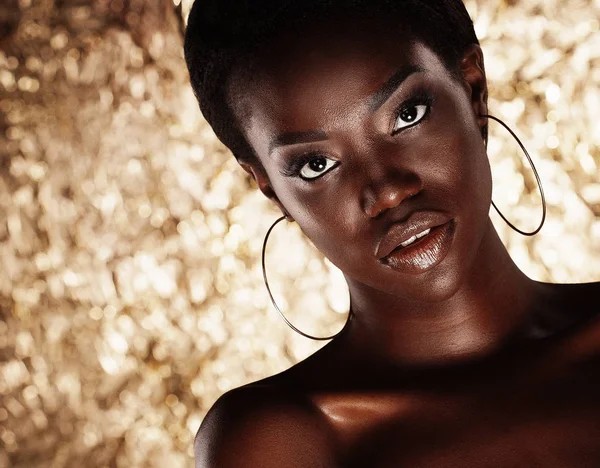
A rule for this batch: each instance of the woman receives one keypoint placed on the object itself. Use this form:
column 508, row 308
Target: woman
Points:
column 366, row 123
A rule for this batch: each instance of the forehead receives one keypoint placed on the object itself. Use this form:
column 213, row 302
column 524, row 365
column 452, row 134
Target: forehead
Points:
column 316, row 78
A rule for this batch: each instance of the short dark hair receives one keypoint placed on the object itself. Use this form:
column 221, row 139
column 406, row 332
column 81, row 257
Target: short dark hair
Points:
column 220, row 33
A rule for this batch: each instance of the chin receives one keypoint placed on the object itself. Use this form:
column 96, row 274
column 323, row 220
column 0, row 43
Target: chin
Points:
column 442, row 287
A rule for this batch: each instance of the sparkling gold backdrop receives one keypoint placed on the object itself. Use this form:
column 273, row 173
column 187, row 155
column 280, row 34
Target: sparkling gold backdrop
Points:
column 131, row 293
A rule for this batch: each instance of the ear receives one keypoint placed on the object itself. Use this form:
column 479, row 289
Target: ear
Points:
column 262, row 180
column 473, row 73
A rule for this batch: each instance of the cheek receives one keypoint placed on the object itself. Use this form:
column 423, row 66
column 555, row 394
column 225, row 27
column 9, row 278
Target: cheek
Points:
column 467, row 174
column 462, row 160
column 329, row 218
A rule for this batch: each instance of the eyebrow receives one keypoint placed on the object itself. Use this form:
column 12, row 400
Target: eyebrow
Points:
column 391, row 85
column 293, row 138
column 376, row 100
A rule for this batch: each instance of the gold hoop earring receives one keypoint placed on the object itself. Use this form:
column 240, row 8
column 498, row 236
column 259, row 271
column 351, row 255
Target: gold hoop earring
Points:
column 264, row 271
column 536, row 176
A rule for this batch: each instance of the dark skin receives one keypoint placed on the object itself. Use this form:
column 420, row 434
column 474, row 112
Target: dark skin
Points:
column 467, row 364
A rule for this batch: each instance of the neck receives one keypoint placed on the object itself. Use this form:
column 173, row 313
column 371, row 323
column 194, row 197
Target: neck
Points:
column 489, row 306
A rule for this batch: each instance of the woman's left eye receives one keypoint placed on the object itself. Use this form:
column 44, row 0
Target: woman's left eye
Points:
column 410, row 116
column 316, row 167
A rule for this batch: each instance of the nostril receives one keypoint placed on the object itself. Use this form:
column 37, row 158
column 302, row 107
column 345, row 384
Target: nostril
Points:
column 413, row 194
column 387, row 196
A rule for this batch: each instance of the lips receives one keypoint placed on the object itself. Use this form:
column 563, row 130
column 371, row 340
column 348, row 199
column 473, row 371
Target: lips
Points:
column 415, row 225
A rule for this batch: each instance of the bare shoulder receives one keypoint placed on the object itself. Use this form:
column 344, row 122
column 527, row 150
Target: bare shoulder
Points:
column 583, row 301
column 580, row 307
column 569, row 306
column 259, row 425
column 589, row 296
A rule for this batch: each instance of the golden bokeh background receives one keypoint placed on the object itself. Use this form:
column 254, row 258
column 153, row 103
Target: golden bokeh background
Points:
column 131, row 295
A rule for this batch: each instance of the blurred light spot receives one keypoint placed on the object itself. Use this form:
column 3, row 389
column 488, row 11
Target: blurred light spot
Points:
column 553, row 93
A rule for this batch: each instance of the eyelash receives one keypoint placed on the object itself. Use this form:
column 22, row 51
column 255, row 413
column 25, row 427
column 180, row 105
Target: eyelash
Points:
column 294, row 168
column 421, row 98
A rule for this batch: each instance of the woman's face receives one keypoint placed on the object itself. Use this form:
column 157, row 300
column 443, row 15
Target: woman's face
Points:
column 358, row 131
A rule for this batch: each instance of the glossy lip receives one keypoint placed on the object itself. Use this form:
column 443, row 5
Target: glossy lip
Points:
column 425, row 252
column 417, row 222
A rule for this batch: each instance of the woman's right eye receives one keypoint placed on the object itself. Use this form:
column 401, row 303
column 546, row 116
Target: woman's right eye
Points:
column 316, row 166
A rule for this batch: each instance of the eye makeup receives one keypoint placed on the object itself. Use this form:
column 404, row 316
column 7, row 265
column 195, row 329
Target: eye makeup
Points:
column 421, row 97
column 293, row 168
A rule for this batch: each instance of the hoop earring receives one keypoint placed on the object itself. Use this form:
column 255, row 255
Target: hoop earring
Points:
column 536, row 176
column 264, row 271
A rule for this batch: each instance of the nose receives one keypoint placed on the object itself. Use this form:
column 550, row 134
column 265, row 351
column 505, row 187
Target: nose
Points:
column 389, row 193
